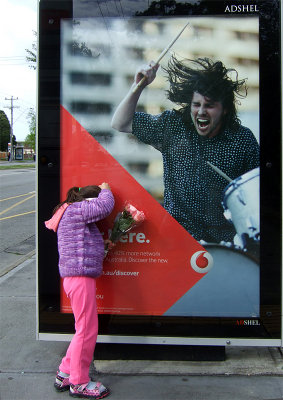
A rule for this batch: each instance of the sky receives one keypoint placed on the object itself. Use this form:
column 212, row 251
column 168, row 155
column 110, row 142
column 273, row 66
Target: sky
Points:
column 17, row 80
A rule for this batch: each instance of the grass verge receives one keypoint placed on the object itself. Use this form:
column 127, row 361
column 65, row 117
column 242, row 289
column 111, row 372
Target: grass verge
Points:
column 17, row 166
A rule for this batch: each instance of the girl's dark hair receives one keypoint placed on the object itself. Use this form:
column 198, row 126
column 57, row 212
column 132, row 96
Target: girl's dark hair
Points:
column 76, row 194
column 208, row 78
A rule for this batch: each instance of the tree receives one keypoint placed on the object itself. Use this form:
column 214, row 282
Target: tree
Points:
column 81, row 49
column 77, row 48
column 31, row 54
column 30, row 140
column 4, row 131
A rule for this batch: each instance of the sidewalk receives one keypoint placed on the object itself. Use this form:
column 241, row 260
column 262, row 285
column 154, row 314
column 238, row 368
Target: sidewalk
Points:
column 28, row 366
column 15, row 255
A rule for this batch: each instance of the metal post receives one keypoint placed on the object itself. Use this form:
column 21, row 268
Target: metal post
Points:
column 11, row 125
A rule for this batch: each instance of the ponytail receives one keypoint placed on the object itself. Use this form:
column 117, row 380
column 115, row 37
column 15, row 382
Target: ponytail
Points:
column 76, row 194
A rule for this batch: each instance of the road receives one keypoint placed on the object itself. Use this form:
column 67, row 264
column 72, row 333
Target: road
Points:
column 17, row 215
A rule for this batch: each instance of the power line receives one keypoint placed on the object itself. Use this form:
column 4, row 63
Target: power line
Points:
column 122, row 8
column 26, row 111
column 9, row 57
column 12, row 65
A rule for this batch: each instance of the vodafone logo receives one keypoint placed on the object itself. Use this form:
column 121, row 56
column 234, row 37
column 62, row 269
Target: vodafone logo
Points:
column 202, row 261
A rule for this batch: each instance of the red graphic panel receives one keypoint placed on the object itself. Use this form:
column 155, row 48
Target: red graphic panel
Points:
column 150, row 269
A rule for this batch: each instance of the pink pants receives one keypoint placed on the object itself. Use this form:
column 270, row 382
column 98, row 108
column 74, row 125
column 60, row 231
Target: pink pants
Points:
column 81, row 291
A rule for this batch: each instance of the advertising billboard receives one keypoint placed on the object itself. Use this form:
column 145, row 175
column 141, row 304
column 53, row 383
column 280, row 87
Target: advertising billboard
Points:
column 192, row 148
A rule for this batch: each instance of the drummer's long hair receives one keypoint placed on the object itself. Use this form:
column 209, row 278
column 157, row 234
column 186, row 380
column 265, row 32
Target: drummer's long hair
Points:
column 208, row 78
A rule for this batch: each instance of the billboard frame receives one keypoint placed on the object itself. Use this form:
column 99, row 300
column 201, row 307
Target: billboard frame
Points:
column 229, row 341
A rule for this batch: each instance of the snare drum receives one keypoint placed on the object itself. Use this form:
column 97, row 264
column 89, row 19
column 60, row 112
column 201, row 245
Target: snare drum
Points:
column 241, row 205
column 229, row 289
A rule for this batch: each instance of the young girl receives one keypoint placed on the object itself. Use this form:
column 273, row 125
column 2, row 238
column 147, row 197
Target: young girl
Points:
column 81, row 253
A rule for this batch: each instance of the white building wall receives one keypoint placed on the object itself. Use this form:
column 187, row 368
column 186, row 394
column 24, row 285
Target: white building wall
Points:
column 117, row 51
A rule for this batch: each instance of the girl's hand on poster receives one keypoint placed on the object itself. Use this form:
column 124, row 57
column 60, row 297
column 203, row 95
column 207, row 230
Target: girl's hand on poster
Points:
column 104, row 185
column 109, row 244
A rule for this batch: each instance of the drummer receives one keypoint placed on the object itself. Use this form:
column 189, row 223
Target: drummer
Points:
column 203, row 128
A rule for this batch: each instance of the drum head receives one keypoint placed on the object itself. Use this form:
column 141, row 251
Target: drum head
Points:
column 229, row 289
column 241, row 205
column 239, row 181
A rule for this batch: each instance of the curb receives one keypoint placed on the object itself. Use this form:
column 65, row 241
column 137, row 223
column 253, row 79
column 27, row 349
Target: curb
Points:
column 18, row 262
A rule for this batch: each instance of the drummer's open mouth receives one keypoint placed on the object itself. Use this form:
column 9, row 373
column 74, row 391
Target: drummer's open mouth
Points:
column 202, row 122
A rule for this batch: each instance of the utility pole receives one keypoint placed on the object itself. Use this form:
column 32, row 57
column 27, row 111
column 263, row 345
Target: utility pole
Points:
column 11, row 107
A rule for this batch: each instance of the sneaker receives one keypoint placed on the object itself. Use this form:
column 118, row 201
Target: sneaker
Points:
column 90, row 390
column 62, row 382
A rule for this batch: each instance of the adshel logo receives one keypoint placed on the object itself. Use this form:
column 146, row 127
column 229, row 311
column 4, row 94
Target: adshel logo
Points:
column 248, row 322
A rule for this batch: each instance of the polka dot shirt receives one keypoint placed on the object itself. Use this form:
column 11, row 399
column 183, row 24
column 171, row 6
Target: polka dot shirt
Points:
column 193, row 191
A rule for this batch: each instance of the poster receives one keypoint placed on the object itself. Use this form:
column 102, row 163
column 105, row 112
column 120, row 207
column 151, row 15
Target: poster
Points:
column 160, row 268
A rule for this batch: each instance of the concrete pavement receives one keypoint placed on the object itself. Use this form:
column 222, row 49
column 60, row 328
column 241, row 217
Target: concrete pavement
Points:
column 28, row 366
column 15, row 255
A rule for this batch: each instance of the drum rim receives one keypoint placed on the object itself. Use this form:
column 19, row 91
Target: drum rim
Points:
column 231, row 186
column 234, row 249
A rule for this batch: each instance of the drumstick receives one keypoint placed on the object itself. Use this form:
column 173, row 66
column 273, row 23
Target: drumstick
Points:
column 219, row 171
column 162, row 55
